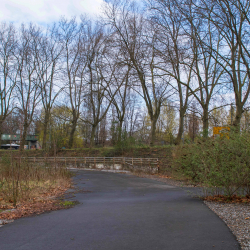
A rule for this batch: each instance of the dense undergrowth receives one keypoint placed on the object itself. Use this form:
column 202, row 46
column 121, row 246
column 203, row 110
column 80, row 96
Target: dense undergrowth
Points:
column 222, row 165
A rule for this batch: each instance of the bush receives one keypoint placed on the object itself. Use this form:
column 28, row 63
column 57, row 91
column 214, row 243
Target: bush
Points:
column 222, row 164
column 125, row 143
column 24, row 180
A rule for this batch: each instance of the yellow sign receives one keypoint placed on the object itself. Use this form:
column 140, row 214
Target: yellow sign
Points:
column 220, row 131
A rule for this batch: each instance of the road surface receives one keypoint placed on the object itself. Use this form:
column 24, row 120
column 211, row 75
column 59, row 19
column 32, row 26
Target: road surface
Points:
column 122, row 211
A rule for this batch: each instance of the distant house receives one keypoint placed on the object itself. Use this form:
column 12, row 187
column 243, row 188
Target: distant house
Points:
column 14, row 140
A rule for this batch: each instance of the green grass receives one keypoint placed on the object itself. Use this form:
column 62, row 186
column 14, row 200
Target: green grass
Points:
column 68, row 203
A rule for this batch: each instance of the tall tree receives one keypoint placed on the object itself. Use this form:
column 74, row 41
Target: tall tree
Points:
column 121, row 101
column 49, row 65
column 27, row 86
column 75, row 43
column 8, row 47
column 208, row 67
column 174, row 52
column 137, row 39
column 102, row 86
column 231, row 19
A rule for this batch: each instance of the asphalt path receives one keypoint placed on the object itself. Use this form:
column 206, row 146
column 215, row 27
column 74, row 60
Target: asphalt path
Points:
column 121, row 211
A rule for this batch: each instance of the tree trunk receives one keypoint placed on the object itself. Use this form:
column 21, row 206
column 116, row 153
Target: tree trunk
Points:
column 120, row 130
column 181, row 126
column 46, row 121
column 153, row 128
column 24, row 135
column 92, row 138
column 1, row 125
column 72, row 132
column 236, row 122
column 205, row 122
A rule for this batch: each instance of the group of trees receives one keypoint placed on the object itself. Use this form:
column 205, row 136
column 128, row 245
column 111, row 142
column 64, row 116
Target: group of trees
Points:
column 133, row 68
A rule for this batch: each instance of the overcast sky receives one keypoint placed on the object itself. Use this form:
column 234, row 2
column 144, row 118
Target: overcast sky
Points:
column 46, row 11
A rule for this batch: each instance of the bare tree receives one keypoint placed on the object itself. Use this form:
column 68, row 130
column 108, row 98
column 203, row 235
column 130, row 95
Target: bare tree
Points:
column 27, row 86
column 122, row 100
column 205, row 67
column 75, row 38
column 132, row 113
column 102, row 86
column 48, row 51
column 231, row 19
column 8, row 46
column 174, row 51
column 137, row 39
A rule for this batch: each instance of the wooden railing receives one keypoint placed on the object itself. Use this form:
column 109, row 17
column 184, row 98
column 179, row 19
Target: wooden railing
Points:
column 125, row 163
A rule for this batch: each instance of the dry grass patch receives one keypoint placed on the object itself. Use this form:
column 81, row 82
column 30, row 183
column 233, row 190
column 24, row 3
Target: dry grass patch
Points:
column 27, row 188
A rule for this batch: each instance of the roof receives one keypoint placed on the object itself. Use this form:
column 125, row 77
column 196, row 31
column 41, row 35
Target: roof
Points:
column 16, row 137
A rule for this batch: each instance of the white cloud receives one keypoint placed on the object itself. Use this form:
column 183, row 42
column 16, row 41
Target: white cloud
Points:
column 46, row 11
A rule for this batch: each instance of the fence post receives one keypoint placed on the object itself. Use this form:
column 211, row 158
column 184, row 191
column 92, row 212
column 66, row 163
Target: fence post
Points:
column 75, row 162
column 94, row 162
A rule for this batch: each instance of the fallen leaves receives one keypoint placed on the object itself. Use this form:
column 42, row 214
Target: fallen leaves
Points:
column 28, row 209
column 227, row 199
column 48, row 201
column 165, row 176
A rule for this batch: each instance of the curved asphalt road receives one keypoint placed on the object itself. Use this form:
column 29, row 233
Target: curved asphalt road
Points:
column 122, row 212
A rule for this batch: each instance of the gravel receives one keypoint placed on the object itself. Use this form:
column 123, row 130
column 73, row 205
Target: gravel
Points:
column 237, row 218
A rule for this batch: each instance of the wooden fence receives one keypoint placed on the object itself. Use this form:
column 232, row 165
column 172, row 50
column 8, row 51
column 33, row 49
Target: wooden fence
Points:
column 118, row 163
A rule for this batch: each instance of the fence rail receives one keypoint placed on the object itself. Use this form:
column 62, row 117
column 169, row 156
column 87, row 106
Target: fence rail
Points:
column 125, row 163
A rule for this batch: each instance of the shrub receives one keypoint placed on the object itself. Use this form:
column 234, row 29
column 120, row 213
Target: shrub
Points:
column 125, row 143
column 23, row 180
column 222, row 164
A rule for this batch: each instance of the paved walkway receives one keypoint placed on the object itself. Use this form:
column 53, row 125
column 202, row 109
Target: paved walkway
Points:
column 122, row 212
